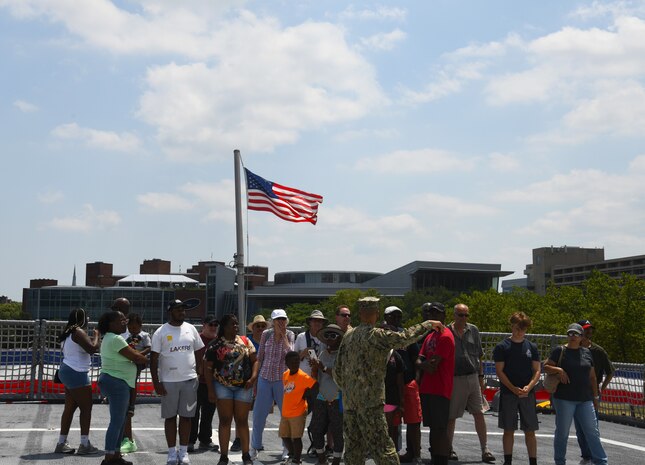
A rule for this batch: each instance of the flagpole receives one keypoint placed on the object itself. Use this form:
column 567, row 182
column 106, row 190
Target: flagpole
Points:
column 239, row 256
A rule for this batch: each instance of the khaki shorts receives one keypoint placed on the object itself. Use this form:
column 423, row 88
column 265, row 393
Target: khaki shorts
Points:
column 466, row 394
column 292, row 427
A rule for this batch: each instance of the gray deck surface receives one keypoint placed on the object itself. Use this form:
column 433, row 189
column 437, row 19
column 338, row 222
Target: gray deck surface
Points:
column 29, row 431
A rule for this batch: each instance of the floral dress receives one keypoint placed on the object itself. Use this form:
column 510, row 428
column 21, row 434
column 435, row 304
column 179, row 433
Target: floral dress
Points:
column 231, row 360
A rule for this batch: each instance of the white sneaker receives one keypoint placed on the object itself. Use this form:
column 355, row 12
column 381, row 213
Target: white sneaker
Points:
column 184, row 459
column 253, row 453
column 172, row 459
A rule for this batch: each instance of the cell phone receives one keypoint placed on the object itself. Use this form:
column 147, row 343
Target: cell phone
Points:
column 312, row 354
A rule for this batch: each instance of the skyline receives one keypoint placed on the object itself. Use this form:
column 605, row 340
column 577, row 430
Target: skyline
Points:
column 457, row 131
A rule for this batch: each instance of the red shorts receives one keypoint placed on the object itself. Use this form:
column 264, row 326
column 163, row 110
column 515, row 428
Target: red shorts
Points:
column 411, row 403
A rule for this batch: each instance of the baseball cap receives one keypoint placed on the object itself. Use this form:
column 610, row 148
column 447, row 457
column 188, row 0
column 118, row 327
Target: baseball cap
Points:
column 575, row 328
column 392, row 309
column 585, row 324
column 278, row 313
column 176, row 304
column 433, row 306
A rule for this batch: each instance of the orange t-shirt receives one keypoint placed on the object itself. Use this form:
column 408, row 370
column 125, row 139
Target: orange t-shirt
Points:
column 293, row 404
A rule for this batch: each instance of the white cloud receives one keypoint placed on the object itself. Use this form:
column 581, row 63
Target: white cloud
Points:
column 97, row 139
column 50, row 197
column 217, row 201
column 158, row 201
column 384, row 40
column 150, row 27
column 504, row 163
column 446, row 207
column 381, row 13
column 388, row 133
column 87, row 220
column 589, row 204
column 576, row 186
column 25, row 107
column 309, row 77
column 415, row 161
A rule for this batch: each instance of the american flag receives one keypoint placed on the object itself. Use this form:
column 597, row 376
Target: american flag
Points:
column 284, row 202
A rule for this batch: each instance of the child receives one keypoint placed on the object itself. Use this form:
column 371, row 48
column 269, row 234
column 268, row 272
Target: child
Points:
column 328, row 412
column 294, row 406
column 140, row 341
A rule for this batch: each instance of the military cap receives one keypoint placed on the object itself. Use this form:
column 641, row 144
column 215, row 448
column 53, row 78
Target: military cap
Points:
column 368, row 303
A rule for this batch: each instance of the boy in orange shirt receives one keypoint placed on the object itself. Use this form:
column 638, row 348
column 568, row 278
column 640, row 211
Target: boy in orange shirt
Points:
column 294, row 406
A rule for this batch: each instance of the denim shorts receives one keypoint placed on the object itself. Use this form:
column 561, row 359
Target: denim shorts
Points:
column 71, row 378
column 233, row 392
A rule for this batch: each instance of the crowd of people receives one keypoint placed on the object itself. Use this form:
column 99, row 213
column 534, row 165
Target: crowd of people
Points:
column 357, row 384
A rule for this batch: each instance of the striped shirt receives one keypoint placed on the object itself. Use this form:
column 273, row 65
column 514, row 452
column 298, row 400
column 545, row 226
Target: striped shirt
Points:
column 271, row 355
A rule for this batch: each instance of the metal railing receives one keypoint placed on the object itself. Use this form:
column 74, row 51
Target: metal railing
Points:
column 30, row 355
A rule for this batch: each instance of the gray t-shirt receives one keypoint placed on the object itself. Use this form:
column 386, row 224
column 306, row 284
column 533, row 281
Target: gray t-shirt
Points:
column 327, row 387
column 468, row 350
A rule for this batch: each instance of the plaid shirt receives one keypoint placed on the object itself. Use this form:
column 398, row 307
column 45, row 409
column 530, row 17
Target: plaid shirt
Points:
column 271, row 355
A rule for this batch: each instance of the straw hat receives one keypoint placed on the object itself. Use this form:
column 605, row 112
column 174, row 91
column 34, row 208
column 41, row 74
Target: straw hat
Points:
column 257, row 319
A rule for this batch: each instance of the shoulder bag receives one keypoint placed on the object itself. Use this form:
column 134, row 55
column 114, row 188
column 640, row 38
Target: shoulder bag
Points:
column 551, row 381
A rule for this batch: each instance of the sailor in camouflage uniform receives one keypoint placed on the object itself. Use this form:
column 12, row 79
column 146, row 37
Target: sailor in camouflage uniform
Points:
column 359, row 372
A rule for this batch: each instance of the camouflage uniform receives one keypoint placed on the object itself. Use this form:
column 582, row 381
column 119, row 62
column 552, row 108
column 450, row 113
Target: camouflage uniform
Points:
column 359, row 372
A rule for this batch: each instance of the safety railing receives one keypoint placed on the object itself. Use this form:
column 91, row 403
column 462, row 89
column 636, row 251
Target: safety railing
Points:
column 30, row 355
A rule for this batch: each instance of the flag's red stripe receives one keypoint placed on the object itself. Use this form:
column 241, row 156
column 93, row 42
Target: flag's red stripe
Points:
column 298, row 192
column 258, row 197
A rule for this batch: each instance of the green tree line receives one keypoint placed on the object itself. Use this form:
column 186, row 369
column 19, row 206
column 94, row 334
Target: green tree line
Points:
column 616, row 307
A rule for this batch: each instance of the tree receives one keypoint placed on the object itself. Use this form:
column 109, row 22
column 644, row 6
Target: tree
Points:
column 12, row 311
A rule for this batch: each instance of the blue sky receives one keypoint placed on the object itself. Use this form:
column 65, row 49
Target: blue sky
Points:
column 435, row 130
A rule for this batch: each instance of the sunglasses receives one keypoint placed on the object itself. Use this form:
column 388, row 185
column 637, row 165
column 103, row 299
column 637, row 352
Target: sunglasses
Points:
column 332, row 336
column 463, row 315
column 572, row 334
column 344, row 315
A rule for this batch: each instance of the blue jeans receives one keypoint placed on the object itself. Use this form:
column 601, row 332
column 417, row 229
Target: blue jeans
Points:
column 585, row 414
column 267, row 393
column 117, row 392
column 585, row 453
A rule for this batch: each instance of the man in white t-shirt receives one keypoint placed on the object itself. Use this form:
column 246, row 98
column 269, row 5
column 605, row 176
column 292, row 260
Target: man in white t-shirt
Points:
column 174, row 375
column 309, row 339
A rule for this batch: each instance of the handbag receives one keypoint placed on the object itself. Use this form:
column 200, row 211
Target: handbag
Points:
column 551, row 381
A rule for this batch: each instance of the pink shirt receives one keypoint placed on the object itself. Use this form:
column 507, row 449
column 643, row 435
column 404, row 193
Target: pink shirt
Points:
column 271, row 355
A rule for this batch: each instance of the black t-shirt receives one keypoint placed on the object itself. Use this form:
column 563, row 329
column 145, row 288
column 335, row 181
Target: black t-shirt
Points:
column 394, row 367
column 518, row 358
column 577, row 363
column 409, row 356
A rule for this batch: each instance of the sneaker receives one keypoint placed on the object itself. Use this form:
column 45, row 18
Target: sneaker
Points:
column 64, row 448
column 285, row 453
column 487, row 457
column 128, row 447
column 191, row 448
column 406, row 458
column 253, row 453
column 453, row 455
column 87, row 450
column 286, row 461
column 224, row 460
column 584, row 461
column 172, row 459
column 208, row 446
column 183, row 459
column 246, row 459
column 236, row 446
